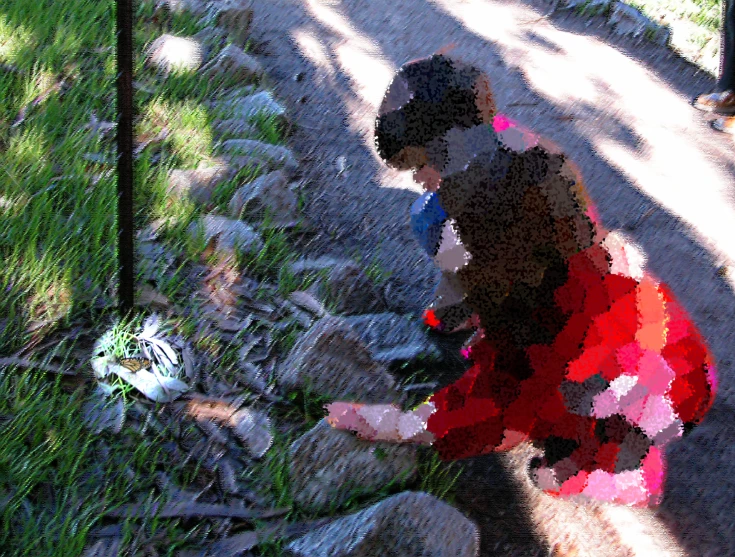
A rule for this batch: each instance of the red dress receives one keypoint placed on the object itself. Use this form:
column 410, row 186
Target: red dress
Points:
column 628, row 373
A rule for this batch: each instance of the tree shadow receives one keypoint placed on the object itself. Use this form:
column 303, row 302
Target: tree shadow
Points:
column 544, row 43
column 360, row 212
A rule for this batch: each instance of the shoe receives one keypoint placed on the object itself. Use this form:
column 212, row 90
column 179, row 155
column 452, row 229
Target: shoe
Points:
column 726, row 125
column 722, row 103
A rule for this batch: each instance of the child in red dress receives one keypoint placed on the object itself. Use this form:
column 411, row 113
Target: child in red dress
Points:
column 576, row 348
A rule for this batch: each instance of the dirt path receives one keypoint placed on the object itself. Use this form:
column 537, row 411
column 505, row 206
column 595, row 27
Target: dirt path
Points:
column 652, row 164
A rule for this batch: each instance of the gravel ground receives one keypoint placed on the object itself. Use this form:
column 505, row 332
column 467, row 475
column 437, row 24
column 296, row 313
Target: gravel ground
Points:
column 652, row 164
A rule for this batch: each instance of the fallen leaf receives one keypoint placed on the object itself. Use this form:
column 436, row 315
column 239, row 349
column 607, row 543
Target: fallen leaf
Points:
column 100, row 414
column 104, row 548
column 308, row 302
column 194, row 509
column 233, row 546
column 22, row 362
column 149, row 296
column 36, row 101
column 158, row 389
column 209, row 249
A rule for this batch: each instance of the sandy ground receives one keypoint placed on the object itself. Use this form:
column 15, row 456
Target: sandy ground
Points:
column 652, row 164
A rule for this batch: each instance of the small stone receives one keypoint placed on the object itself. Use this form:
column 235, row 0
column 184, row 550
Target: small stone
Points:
column 199, row 184
column 626, row 20
column 169, row 52
column 235, row 62
column 253, row 428
column 270, row 192
column 250, row 106
column 275, row 156
column 232, row 234
column 305, row 300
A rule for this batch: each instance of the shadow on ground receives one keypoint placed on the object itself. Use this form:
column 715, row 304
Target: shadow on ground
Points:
column 357, row 212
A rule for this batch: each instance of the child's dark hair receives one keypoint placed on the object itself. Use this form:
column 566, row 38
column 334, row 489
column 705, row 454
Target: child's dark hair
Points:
column 426, row 99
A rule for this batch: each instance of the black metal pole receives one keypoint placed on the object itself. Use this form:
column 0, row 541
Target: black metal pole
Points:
column 125, row 238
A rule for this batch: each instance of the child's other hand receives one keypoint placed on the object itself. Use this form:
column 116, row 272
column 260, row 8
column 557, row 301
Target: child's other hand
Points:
column 373, row 422
column 380, row 422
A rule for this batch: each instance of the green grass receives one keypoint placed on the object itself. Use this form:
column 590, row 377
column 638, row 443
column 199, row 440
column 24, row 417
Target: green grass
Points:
column 54, row 486
column 58, row 246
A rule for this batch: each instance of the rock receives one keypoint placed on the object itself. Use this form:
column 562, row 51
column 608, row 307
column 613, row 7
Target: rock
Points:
column 660, row 34
column 232, row 233
column 233, row 61
column 235, row 128
column 391, row 337
column 231, row 94
column 409, row 524
column 199, row 184
column 235, row 17
column 211, row 37
column 626, row 20
column 253, row 428
column 248, row 107
column 325, row 464
column 347, row 286
column 196, row 7
column 589, row 6
column 169, row 52
column 331, row 359
column 274, row 156
column 271, row 192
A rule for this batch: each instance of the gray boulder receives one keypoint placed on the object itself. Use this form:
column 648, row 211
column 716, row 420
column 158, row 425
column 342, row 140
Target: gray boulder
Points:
column 331, row 359
column 391, row 337
column 199, row 184
column 347, row 287
column 249, row 106
column 326, row 464
column 235, row 128
column 196, row 7
column 270, row 192
column 234, row 16
column 409, row 524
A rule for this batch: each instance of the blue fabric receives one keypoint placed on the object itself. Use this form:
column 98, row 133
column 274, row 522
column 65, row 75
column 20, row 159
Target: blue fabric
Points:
column 427, row 220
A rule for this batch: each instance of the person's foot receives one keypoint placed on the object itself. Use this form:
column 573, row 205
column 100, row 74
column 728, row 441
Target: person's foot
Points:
column 722, row 103
column 726, row 125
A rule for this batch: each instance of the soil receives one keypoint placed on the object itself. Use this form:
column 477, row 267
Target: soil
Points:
column 652, row 164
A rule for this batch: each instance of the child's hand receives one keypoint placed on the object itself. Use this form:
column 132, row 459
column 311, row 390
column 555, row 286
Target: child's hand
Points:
column 381, row 422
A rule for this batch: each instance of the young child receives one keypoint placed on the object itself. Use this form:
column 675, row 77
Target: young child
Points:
column 576, row 348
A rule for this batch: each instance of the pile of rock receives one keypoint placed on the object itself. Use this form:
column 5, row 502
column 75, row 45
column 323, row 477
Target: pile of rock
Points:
column 344, row 354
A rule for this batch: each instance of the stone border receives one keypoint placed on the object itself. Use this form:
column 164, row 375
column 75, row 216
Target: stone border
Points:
column 629, row 21
column 625, row 19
